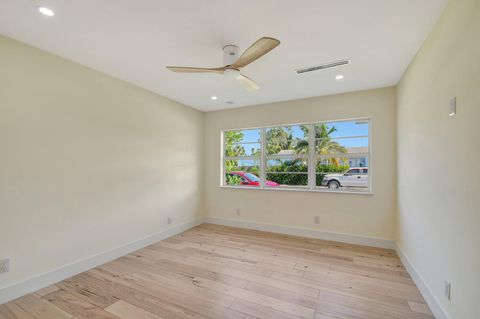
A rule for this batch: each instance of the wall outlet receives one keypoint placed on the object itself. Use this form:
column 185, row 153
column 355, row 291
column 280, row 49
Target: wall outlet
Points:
column 237, row 211
column 169, row 220
column 447, row 289
column 317, row 219
column 4, row 265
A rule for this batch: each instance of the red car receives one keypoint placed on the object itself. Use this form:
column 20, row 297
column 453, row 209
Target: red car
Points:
column 249, row 179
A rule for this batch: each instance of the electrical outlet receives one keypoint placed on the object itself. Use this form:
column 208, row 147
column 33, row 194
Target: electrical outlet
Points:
column 4, row 265
column 317, row 219
column 169, row 220
column 237, row 211
column 447, row 290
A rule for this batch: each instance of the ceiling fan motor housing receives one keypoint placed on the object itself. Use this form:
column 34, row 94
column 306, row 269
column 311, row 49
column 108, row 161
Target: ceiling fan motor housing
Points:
column 230, row 54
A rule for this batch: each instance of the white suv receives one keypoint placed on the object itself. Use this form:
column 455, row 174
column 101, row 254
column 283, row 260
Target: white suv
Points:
column 354, row 177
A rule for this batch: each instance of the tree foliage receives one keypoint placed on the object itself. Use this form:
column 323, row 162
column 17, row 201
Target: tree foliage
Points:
column 232, row 148
column 278, row 138
column 324, row 144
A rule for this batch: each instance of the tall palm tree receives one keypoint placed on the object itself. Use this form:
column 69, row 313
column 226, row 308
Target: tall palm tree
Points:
column 324, row 144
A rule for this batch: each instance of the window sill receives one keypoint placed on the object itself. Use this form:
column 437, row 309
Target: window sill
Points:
column 369, row 192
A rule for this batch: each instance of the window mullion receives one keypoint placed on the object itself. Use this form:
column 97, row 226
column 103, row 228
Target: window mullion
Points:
column 311, row 157
column 223, row 170
column 263, row 164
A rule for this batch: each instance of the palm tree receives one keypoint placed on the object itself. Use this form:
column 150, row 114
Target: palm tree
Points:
column 324, row 144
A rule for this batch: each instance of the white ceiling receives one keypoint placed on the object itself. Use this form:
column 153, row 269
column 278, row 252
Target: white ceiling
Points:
column 135, row 40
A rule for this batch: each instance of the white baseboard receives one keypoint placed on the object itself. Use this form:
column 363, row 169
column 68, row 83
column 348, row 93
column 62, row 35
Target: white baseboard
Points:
column 35, row 283
column 426, row 292
column 312, row 233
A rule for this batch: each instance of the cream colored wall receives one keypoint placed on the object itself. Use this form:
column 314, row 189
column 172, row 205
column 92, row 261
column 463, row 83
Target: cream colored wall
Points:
column 365, row 215
column 88, row 163
column 439, row 178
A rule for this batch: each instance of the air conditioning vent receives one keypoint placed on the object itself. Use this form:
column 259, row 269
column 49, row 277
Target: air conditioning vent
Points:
column 323, row 66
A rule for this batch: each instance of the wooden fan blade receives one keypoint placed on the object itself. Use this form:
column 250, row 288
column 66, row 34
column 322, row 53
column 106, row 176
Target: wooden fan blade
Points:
column 195, row 70
column 255, row 51
column 249, row 84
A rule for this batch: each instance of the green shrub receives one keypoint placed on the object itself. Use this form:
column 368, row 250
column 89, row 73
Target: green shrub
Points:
column 300, row 179
column 288, row 179
column 232, row 180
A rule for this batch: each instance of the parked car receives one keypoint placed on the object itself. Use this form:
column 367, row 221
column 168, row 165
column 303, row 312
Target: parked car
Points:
column 249, row 179
column 354, row 177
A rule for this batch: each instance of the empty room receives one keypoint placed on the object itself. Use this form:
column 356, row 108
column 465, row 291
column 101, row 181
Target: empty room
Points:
column 310, row 159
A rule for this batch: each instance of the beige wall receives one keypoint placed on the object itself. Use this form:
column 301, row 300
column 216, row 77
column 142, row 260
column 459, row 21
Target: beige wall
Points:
column 88, row 163
column 365, row 215
column 439, row 178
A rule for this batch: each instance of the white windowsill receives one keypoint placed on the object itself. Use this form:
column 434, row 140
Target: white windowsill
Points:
column 300, row 190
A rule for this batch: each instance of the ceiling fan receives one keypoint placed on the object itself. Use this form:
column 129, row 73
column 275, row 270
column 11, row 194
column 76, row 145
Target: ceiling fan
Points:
column 233, row 63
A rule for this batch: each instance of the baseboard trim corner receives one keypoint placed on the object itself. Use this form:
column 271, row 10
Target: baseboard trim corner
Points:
column 432, row 301
column 312, row 233
column 46, row 279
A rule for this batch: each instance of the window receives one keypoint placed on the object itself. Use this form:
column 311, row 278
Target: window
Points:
column 329, row 156
column 242, row 157
column 286, row 155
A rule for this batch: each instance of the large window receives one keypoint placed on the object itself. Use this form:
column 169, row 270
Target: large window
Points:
column 330, row 156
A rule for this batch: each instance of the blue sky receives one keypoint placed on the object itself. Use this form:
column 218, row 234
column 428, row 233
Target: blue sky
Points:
column 344, row 129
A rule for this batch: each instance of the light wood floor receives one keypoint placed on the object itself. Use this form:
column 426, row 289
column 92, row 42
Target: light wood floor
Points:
column 222, row 272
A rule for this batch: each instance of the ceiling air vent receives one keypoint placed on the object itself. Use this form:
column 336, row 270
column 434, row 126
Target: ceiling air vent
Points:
column 323, row 66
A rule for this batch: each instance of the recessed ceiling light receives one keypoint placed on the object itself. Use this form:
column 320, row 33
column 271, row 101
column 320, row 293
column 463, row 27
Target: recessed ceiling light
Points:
column 46, row 11
column 214, row 97
column 230, row 102
column 339, row 77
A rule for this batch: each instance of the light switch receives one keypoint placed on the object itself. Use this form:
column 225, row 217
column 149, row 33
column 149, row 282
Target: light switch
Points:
column 453, row 107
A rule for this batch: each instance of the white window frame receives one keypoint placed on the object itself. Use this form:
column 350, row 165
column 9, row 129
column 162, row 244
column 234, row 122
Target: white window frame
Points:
column 311, row 158
column 239, row 158
column 280, row 156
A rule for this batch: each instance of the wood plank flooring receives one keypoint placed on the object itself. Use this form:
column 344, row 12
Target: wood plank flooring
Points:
column 214, row 271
